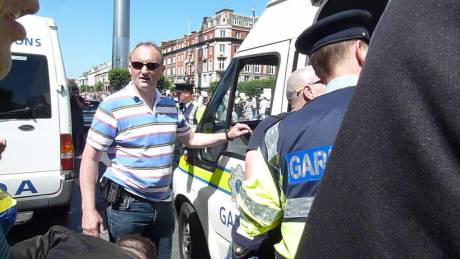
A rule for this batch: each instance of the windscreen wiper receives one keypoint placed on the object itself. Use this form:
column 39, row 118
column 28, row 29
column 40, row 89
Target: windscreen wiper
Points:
column 17, row 111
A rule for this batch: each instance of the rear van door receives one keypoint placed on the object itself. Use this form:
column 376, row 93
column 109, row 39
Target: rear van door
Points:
column 29, row 117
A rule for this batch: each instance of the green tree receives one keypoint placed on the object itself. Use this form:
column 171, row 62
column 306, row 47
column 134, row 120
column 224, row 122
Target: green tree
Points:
column 85, row 88
column 99, row 87
column 255, row 87
column 212, row 87
column 164, row 84
column 119, row 78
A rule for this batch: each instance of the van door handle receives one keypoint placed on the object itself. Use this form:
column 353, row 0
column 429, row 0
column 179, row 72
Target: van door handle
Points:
column 26, row 127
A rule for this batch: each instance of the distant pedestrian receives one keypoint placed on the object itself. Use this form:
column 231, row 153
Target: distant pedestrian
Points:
column 254, row 107
column 78, row 132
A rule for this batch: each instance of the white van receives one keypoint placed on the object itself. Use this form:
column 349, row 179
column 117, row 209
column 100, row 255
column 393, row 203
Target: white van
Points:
column 37, row 165
column 202, row 192
column 207, row 180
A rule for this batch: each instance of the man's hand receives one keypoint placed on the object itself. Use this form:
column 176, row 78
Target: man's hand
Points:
column 92, row 223
column 238, row 130
column 2, row 145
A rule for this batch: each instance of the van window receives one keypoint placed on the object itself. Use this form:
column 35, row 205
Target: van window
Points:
column 254, row 94
column 239, row 100
column 215, row 118
column 25, row 92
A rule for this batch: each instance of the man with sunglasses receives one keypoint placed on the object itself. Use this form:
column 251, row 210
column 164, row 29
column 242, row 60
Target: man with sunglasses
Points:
column 295, row 150
column 137, row 127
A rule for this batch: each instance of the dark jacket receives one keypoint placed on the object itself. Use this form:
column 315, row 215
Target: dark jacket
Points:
column 392, row 186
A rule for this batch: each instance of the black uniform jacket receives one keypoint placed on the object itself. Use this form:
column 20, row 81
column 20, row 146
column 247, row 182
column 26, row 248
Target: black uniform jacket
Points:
column 392, row 185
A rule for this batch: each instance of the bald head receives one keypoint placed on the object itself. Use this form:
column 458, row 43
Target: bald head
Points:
column 303, row 86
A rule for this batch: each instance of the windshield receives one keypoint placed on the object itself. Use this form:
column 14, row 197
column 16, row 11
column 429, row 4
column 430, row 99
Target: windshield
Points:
column 25, row 92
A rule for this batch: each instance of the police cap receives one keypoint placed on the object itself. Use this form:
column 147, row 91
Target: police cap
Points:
column 342, row 26
column 184, row 86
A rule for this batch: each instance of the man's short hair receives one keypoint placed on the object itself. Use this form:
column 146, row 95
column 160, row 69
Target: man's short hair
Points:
column 298, row 79
column 326, row 58
column 138, row 246
column 148, row 44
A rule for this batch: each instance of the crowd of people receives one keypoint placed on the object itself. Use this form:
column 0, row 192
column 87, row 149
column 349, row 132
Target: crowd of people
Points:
column 382, row 116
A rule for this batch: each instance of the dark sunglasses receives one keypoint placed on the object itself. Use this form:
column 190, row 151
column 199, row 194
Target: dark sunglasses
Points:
column 139, row 65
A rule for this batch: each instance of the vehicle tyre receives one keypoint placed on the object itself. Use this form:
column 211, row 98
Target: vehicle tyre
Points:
column 192, row 241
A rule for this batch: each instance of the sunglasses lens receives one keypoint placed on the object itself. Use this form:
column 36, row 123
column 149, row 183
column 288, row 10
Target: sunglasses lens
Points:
column 137, row 65
column 152, row 66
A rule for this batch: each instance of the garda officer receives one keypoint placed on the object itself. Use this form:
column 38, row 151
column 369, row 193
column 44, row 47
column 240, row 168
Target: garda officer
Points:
column 190, row 108
column 297, row 148
column 302, row 86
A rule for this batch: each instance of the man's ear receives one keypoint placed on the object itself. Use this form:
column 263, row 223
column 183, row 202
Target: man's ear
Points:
column 308, row 94
column 360, row 52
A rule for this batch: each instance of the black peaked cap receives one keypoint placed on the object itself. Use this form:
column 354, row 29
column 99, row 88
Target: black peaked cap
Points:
column 342, row 26
column 184, row 86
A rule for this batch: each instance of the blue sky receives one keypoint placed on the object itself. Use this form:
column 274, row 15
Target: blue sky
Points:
column 85, row 26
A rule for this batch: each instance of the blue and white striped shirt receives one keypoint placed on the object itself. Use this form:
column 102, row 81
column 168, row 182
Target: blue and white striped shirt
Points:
column 139, row 141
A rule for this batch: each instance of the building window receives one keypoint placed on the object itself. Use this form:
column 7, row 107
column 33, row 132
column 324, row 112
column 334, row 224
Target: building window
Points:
column 174, row 71
column 247, row 69
column 221, row 64
column 238, row 35
column 223, row 20
column 222, row 33
column 222, row 48
column 257, row 69
column 246, row 78
column 271, row 70
column 174, row 59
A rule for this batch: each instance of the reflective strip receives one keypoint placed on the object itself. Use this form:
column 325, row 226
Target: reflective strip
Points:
column 271, row 143
column 217, row 179
column 6, row 201
column 297, row 207
column 261, row 212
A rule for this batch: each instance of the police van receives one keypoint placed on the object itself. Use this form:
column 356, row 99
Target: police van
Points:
column 37, row 165
column 207, row 180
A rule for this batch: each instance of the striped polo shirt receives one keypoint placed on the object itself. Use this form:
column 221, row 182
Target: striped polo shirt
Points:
column 139, row 141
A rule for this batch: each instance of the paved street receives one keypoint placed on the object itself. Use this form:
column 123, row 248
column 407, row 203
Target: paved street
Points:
column 43, row 220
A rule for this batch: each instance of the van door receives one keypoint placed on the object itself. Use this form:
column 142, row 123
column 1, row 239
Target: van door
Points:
column 29, row 120
column 243, row 95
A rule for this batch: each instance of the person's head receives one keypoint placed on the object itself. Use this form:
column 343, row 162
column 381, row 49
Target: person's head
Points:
column 184, row 92
column 75, row 91
column 11, row 30
column 337, row 44
column 137, row 247
column 303, row 86
column 145, row 65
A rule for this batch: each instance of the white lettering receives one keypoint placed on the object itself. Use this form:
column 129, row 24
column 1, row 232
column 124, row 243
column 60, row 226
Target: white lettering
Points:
column 307, row 167
column 294, row 167
column 320, row 160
